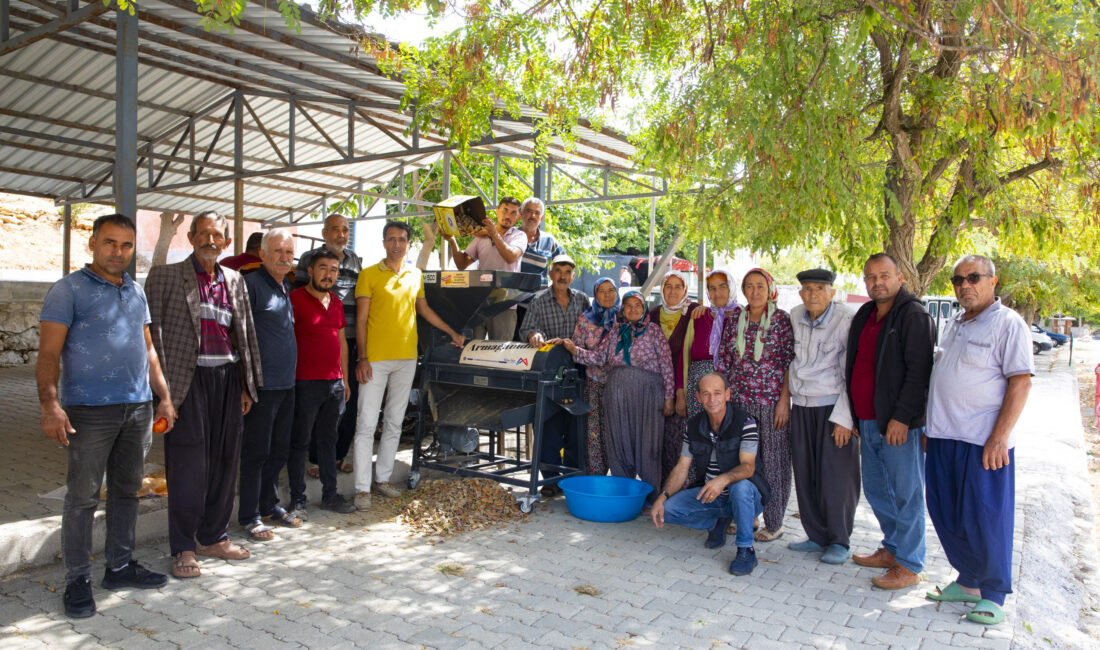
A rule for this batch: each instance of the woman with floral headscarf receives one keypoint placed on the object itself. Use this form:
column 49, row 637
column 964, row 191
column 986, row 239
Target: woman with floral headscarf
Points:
column 704, row 335
column 673, row 314
column 595, row 325
column 640, row 386
column 759, row 346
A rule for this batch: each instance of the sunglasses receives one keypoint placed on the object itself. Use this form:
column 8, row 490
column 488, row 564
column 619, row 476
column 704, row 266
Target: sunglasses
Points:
column 972, row 278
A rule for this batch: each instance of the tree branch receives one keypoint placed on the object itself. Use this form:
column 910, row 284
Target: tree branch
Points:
column 941, row 165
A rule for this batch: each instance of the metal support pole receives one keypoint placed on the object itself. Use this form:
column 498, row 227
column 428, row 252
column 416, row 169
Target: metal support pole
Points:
column 5, row 32
column 652, row 229
column 401, row 188
column 238, row 216
column 126, row 74
column 290, row 128
column 540, row 180
column 496, row 179
column 66, row 238
column 446, row 174
column 238, row 167
column 351, row 130
column 701, row 271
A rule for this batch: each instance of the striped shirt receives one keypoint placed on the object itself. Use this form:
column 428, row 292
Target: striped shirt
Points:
column 750, row 443
column 215, row 318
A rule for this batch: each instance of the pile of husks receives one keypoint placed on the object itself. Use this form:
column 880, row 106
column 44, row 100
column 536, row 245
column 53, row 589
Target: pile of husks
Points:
column 446, row 508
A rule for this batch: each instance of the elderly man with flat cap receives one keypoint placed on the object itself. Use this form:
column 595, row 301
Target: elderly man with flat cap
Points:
column 825, row 460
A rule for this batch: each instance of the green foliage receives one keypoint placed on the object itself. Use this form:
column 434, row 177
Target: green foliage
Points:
column 905, row 126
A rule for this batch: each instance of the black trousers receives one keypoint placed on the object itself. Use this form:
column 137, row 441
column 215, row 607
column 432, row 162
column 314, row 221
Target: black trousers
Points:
column 201, row 454
column 318, row 405
column 826, row 477
column 345, row 432
column 264, row 451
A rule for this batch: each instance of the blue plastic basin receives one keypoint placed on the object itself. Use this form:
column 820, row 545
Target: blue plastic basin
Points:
column 604, row 498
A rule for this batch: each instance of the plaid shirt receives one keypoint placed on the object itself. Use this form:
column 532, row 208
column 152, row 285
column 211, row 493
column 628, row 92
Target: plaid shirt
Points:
column 546, row 316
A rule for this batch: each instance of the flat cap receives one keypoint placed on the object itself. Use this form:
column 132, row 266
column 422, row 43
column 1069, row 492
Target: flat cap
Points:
column 823, row 276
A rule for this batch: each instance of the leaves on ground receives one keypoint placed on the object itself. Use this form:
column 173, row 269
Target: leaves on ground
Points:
column 587, row 590
column 455, row 570
column 446, row 508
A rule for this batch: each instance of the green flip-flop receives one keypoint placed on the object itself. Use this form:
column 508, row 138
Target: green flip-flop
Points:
column 952, row 593
column 986, row 612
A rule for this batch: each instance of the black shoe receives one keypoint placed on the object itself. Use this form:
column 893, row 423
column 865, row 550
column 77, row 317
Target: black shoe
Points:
column 79, row 602
column 716, row 538
column 133, row 575
column 337, row 503
column 745, row 561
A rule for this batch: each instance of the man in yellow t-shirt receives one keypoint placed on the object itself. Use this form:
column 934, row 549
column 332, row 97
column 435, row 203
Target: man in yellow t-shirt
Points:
column 388, row 297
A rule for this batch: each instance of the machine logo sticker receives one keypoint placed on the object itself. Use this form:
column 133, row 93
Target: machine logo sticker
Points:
column 430, row 276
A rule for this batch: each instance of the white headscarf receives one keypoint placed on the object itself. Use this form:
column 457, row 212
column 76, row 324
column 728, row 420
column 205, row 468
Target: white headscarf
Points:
column 681, row 306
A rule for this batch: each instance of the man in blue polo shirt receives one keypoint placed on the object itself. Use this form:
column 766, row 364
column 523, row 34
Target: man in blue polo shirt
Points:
column 265, row 444
column 96, row 320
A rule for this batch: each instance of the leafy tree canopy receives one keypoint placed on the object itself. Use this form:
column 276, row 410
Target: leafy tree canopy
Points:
column 904, row 125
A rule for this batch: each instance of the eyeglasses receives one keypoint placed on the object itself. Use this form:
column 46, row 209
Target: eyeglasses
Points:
column 972, row 278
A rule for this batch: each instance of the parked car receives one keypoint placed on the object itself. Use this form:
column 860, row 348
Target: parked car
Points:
column 1039, row 340
column 1059, row 339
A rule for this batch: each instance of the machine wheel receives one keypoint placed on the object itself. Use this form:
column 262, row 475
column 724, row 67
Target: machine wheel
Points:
column 525, row 506
column 414, row 480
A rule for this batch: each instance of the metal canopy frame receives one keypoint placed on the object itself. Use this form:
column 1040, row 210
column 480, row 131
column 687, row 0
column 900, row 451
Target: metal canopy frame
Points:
column 153, row 111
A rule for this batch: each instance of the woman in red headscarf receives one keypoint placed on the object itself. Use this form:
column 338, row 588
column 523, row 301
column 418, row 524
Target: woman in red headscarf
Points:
column 759, row 346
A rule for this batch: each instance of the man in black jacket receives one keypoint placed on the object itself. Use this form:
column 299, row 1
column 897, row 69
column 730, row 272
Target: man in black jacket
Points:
column 889, row 363
column 722, row 443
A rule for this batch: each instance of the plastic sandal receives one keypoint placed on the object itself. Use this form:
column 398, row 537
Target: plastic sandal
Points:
column 284, row 518
column 986, row 612
column 260, row 533
column 952, row 593
column 185, row 565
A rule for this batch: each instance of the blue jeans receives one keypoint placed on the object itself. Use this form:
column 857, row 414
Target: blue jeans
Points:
column 893, row 482
column 742, row 504
column 114, row 438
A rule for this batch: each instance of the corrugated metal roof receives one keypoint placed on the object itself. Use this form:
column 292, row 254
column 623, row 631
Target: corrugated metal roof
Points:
column 57, row 113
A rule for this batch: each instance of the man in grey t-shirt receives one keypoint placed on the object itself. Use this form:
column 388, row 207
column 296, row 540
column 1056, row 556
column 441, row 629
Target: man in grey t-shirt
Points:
column 979, row 385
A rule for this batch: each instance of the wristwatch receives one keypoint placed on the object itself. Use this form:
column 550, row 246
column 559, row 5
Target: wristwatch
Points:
column 667, row 495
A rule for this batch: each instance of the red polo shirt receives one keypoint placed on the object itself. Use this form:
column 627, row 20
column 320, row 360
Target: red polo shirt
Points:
column 863, row 371
column 317, row 331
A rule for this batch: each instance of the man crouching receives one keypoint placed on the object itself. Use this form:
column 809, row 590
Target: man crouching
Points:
column 722, row 445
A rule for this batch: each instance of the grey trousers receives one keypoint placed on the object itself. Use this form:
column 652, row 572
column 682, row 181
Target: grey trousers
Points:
column 114, row 438
column 826, row 477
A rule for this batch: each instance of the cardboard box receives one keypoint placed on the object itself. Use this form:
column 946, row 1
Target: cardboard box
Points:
column 460, row 215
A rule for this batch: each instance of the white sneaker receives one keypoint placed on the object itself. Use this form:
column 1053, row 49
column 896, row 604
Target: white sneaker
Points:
column 387, row 490
column 362, row 501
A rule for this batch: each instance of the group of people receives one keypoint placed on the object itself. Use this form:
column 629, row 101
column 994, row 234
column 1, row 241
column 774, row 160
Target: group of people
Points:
column 714, row 406
column 717, row 407
column 239, row 372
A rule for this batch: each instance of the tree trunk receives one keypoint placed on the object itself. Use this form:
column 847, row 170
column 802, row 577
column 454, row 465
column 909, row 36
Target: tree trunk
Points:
column 169, row 225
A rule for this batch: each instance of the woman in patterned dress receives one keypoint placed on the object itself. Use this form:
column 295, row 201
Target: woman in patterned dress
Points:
column 593, row 326
column 640, row 387
column 759, row 346
column 673, row 317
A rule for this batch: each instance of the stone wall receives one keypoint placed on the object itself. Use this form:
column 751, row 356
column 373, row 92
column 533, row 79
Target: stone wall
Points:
column 20, row 307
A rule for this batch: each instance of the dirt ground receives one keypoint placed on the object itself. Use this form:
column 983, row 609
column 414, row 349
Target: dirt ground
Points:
column 32, row 234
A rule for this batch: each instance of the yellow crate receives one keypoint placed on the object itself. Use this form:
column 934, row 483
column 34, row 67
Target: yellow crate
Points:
column 460, row 215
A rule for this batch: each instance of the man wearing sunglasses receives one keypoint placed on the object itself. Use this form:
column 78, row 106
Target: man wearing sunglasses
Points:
column 979, row 386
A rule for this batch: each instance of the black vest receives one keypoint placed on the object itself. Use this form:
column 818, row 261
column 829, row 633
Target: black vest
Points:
column 728, row 447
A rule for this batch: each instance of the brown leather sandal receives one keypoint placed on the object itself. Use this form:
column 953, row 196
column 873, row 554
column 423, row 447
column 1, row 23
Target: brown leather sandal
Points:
column 185, row 565
column 225, row 550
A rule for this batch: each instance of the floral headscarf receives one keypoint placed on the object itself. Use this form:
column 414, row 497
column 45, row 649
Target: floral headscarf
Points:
column 597, row 314
column 629, row 331
column 719, row 314
column 765, row 320
column 681, row 306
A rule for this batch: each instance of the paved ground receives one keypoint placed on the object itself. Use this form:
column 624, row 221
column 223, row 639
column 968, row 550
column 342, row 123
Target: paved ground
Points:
column 364, row 581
